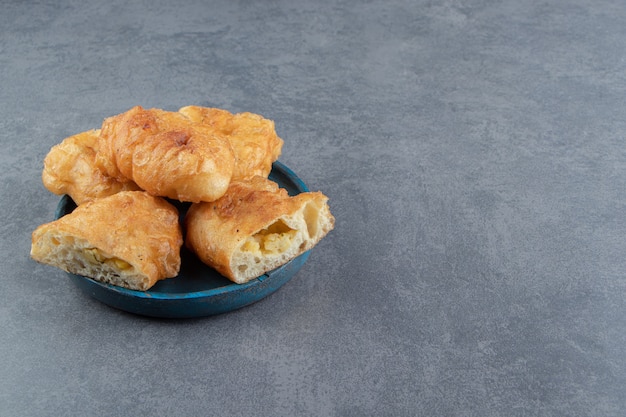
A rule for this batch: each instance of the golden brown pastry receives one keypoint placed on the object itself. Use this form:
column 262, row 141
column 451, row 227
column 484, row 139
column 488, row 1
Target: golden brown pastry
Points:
column 166, row 155
column 70, row 168
column 252, row 137
column 130, row 239
column 256, row 227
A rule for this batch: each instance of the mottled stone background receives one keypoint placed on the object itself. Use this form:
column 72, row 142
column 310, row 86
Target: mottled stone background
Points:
column 474, row 155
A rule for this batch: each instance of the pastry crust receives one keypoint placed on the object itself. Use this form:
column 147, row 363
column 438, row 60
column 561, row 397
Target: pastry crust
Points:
column 166, row 155
column 252, row 137
column 130, row 239
column 70, row 168
column 256, row 227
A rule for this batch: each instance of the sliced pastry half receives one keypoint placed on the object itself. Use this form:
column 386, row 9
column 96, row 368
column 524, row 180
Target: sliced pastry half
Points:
column 130, row 239
column 256, row 227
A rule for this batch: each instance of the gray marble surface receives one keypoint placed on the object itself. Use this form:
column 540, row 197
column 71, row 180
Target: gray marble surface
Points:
column 474, row 155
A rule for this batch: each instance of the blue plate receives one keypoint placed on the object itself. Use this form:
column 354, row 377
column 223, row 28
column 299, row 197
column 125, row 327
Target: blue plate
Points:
column 198, row 290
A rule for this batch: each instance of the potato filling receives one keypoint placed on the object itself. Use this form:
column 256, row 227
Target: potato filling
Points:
column 275, row 239
column 94, row 256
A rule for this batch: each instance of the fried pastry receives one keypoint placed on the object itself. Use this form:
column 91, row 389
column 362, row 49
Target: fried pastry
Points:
column 70, row 168
column 130, row 239
column 166, row 155
column 256, row 227
column 253, row 138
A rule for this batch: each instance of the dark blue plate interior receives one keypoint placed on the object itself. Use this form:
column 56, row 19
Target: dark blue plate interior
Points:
column 198, row 290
